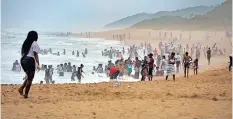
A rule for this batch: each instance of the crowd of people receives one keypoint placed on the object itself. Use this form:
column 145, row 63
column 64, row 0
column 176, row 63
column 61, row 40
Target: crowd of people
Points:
column 165, row 61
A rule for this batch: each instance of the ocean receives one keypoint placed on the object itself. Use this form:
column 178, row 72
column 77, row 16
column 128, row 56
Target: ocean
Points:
column 11, row 43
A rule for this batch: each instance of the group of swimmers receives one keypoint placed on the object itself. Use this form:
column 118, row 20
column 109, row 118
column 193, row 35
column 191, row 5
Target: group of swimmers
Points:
column 47, row 51
column 61, row 69
column 83, row 53
column 112, row 53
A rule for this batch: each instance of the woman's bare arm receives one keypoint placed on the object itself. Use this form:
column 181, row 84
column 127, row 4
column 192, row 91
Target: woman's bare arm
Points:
column 36, row 58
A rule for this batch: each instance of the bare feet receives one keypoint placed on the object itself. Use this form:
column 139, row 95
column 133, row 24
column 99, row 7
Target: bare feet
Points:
column 20, row 91
column 25, row 96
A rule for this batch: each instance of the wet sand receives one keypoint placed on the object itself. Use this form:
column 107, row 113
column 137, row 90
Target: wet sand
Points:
column 205, row 96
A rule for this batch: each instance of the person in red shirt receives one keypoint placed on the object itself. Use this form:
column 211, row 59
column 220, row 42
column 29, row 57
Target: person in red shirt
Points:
column 114, row 72
column 151, row 67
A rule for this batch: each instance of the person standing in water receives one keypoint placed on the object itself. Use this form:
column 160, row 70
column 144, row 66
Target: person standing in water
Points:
column 186, row 63
column 79, row 73
column 129, row 67
column 86, row 51
column 46, row 75
column 29, row 53
column 114, row 72
column 73, row 73
column 64, row 51
column 208, row 55
column 151, row 66
column 83, row 55
column 51, row 74
column 77, row 53
column 15, row 64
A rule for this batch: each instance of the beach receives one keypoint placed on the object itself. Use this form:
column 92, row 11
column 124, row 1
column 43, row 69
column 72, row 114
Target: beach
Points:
column 96, row 59
column 205, row 96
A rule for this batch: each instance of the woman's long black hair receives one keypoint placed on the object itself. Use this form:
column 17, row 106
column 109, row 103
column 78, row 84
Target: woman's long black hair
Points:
column 31, row 37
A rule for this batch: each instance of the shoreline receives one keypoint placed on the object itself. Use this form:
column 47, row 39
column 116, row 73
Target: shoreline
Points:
column 207, row 95
column 155, row 78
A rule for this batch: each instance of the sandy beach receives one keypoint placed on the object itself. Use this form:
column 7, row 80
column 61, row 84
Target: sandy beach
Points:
column 74, row 38
column 205, row 96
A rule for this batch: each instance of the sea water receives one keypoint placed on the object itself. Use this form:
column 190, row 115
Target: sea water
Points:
column 11, row 43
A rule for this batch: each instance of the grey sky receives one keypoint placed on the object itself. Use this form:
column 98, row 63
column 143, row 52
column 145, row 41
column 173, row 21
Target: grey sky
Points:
column 79, row 15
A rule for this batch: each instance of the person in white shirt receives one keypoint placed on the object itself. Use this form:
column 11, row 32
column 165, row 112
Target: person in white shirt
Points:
column 29, row 52
column 163, row 65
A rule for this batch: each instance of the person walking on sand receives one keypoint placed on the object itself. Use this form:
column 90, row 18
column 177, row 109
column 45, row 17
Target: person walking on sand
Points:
column 186, row 63
column 151, row 66
column 208, row 55
column 162, row 66
column 29, row 52
column 170, row 66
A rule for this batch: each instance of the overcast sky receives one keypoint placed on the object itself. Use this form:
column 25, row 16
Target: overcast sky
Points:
column 80, row 15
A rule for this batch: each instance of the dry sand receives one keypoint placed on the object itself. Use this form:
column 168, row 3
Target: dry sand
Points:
column 206, row 96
